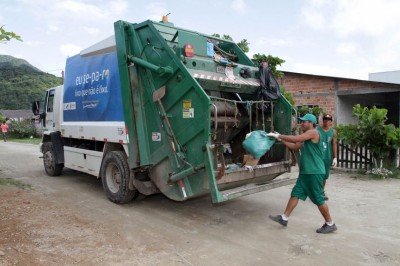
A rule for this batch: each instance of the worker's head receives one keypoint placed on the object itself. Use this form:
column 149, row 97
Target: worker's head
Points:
column 327, row 120
column 307, row 122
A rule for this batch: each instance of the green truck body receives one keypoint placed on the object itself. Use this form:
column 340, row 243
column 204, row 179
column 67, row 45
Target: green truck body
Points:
column 187, row 114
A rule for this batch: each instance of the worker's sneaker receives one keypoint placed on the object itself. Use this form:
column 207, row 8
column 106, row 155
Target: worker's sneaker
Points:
column 278, row 219
column 326, row 229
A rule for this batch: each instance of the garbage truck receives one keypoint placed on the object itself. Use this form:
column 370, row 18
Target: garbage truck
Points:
column 160, row 109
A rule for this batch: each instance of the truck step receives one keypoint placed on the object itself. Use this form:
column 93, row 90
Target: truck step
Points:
column 255, row 187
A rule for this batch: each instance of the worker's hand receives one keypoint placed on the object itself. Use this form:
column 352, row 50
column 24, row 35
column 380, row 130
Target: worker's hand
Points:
column 334, row 162
column 275, row 135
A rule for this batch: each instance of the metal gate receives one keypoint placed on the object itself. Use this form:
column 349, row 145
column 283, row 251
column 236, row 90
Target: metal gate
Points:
column 353, row 158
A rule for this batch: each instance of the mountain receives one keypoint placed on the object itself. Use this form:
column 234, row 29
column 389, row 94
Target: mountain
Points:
column 21, row 83
column 9, row 61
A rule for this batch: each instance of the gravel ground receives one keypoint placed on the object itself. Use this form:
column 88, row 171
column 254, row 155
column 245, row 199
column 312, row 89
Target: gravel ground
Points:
column 67, row 220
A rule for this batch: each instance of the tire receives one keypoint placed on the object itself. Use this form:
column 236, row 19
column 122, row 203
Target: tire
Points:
column 49, row 161
column 115, row 176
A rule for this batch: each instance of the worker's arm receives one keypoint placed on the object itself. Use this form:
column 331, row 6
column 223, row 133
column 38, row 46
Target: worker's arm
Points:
column 334, row 144
column 334, row 148
column 293, row 146
column 295, row 142
column 309, row 134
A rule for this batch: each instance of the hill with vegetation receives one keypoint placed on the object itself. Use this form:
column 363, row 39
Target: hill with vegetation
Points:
column 21, row 83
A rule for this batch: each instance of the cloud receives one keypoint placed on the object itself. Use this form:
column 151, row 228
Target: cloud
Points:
column 53, row 28
column 91, row 31
column 81, row 9
column 385, row 54
column 239, row 6
column 365, row 32
column 368, row 17
column 156, row 10
column 118, row 8
column 346, row 48
column 312, row 15
column 35, row 43
column 265, row 41
column 70, row 49
column 75, row 11
column 315, row 69
column 347, row 17
column 329, row 71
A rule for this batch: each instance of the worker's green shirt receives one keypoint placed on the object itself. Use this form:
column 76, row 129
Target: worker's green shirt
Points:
column 311, row 161
column 327, row 138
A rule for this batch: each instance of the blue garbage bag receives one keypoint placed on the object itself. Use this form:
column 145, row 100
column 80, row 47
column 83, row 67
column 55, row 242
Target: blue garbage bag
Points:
column 257, row 143
column 210, row 49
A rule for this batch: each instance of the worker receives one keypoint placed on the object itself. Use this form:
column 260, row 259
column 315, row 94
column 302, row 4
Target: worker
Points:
column 311, row 174
column 328, row 135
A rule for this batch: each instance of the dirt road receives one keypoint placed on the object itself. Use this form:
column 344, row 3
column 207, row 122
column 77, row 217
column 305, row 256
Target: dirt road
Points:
column 67, row 220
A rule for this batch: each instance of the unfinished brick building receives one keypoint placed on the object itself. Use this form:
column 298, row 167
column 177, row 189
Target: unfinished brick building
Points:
column 337, row 96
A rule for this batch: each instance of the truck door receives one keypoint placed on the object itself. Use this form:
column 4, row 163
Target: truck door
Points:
column 48, row 121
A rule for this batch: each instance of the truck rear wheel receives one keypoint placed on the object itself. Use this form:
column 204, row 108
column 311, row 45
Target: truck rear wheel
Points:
column 49, row 161
column 115, row 175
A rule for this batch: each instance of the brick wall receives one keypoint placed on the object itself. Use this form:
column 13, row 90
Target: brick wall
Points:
column 321, row 90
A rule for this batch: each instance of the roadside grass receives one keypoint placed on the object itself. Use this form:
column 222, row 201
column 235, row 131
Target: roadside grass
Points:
column 396, row 173
column 34, row 141
column 13, row 182
column 367, row 175
column 363, row 175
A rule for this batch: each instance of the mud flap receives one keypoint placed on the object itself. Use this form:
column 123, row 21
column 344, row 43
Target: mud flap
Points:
column 58, row 147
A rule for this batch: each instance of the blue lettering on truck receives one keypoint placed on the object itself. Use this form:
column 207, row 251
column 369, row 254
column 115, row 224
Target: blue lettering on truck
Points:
column 92, row 90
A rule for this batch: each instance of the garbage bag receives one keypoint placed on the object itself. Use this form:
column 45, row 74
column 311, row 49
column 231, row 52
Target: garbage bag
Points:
column 269, row 86
column 257, row 143
column 210, row 49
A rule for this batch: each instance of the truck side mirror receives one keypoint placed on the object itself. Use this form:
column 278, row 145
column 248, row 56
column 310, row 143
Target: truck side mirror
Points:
column 35, row 107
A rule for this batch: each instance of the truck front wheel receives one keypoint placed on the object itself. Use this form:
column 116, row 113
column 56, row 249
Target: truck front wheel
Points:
column 49, row 160
column 115, row 175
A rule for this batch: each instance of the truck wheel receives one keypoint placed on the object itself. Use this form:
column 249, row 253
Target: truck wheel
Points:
column 49, row 161
column 115, row 175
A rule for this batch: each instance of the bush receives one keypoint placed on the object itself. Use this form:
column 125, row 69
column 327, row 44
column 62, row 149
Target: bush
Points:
column 372, row 132
column 21, row 129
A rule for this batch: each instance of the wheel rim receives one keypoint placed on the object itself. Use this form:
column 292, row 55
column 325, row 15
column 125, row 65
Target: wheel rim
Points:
column 48, row 160
column 113, row 177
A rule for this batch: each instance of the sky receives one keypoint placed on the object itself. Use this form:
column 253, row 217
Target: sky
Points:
column 340, row 38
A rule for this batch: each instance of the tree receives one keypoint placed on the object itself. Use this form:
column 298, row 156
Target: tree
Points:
column 371, row 132
column 243, row 44
column 273, row 61
column 6, row 36
column 288, row 96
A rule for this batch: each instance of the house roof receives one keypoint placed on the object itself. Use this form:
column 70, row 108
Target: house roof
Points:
column 341, row 78
column 12, row 114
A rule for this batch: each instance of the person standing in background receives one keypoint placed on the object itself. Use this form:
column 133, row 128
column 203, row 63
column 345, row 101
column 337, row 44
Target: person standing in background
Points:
column 328, row 137
column 4, row 128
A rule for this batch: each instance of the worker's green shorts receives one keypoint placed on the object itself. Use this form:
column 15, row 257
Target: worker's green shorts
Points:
column 327, row 164
column 310, row 186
